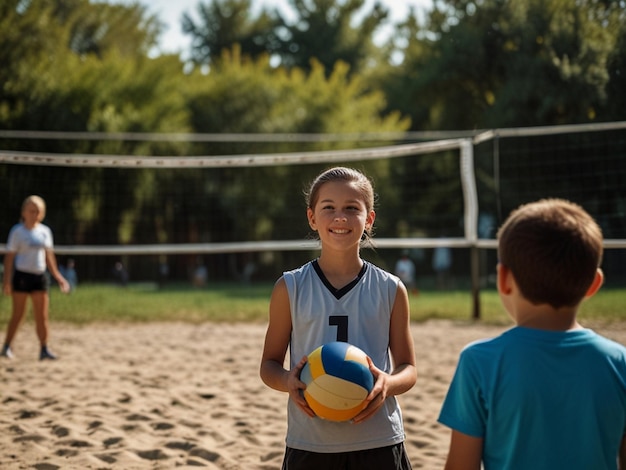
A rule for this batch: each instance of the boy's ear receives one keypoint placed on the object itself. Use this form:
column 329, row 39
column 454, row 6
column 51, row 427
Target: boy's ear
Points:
column 598, row 280
column 504, row 279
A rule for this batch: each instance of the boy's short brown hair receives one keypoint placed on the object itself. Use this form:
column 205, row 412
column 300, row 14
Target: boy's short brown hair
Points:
column 553, row 248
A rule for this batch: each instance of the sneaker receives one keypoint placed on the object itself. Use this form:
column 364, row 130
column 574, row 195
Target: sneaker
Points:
column 46, row 354
column 6, row 352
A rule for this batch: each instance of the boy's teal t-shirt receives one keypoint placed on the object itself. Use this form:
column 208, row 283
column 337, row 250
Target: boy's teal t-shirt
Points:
column 541, row 399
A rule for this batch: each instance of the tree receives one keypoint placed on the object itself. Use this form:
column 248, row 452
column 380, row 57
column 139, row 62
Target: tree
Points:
column 41, row 38
column 616, row 96
column 52, row 82
column 501, row 64
column 224, row 23
column 241, row 95
column 99, row 28
column 327, row 31
column 324, row 30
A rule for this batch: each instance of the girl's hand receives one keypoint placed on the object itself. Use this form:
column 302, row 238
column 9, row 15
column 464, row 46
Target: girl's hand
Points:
column 295, row 387
column 377, row 396
column 64, row 285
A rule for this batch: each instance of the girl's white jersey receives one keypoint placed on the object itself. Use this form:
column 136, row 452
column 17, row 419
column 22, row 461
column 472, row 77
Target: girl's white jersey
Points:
column 30, row 247
column 359, row 314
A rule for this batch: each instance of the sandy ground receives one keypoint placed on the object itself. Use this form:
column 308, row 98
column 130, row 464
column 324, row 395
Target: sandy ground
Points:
column 179, row 396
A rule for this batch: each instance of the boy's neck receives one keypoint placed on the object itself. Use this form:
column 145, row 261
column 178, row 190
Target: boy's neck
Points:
column 546, row 317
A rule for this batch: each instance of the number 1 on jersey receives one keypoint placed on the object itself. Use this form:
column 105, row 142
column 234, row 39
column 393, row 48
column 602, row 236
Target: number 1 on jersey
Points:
column 341, row 322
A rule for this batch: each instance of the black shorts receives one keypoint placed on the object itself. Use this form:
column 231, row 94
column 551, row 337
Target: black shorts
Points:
column 28, row 282
column 382, row 458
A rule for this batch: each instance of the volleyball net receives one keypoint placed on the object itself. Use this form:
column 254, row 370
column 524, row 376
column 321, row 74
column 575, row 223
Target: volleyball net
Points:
column 238, row 202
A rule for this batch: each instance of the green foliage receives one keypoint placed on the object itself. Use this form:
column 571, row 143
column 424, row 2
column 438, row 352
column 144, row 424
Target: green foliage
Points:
column 242, row 95
column 94, row 85
column 616, row 96
column 83, row 66
column 224, row 23
column 77, row 65
column 99, row 28
column 505, row 64
column 469, row 65
column 109, row 86
column 326, row 31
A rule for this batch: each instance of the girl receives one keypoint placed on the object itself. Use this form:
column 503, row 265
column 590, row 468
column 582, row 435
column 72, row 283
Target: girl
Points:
column 341, row 297
column 30, row 248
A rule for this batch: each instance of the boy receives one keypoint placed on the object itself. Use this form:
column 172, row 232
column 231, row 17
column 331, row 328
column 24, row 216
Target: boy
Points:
column 548, row 393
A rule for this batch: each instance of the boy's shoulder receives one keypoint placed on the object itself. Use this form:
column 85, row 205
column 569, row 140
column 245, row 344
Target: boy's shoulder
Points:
column 536, row 339
column 612, row 346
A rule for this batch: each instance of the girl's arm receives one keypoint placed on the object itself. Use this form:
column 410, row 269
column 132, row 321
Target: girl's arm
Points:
column 402, row 349
column 401, row 344
column 51, row 262
column 465, row 452
column 277, row 339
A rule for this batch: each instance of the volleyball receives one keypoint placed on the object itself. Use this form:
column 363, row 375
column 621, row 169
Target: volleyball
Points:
column 338, row 380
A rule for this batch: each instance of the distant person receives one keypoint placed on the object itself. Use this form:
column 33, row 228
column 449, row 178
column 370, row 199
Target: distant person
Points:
column 120, row 274
column 69, row 273
column 547, row 394
column 486, row 230
column 442, row 263
column 249, row 268
column 200, row 274
column 164, row 272
column 405, row 270
column 341, row 297
column 29, row 254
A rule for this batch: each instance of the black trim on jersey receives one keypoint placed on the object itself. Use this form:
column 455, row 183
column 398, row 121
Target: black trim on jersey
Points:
column 338, row 293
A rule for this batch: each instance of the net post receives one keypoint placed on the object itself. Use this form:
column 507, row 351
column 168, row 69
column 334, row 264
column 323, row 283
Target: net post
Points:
column 470, row 195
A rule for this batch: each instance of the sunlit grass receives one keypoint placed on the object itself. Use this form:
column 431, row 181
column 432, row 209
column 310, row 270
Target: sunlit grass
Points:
column 92, row 303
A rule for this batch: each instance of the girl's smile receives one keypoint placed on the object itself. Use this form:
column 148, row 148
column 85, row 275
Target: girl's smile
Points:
column 340, row 213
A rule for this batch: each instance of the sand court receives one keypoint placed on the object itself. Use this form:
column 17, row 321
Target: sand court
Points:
column 163, row 396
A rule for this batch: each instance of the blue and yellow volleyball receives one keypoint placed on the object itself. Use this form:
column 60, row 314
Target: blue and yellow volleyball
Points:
column 338, row 380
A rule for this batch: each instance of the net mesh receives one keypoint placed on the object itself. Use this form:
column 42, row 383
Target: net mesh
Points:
column 233, row 211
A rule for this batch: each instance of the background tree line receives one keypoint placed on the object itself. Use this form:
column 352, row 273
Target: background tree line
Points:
column 78, row 65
